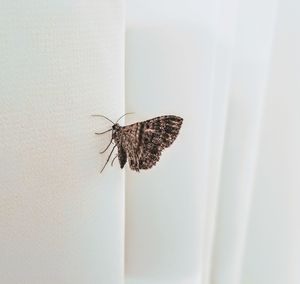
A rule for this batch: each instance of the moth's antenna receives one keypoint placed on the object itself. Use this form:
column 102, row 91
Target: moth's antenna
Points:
column 124, row 115
column 103, row 117
column 100, row 133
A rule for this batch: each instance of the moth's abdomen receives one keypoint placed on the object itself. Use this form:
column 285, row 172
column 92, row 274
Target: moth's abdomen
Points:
column 122, row 156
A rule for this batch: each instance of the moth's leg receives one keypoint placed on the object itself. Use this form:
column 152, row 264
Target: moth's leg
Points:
column 112, row 162
column 100, row 133
column 111, row 140
column 108, row 158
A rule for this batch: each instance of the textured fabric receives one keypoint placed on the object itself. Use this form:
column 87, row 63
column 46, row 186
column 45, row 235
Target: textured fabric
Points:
column 60, row 221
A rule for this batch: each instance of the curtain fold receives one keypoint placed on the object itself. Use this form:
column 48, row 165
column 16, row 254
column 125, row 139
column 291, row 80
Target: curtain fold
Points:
column 250, row 71
column 245, row 56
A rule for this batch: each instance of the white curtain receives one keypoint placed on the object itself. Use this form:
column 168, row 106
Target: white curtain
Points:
column 230, row 212
column 222, row 205
column 60, row 220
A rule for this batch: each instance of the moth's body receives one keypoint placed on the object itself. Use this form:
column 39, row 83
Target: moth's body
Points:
column 141, row 143
column 117, row 138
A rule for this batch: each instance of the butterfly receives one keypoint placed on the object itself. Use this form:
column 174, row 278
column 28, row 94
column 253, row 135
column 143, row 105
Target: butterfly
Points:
column 141, row 143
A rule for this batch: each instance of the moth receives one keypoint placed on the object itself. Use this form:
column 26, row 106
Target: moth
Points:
column 141, row 143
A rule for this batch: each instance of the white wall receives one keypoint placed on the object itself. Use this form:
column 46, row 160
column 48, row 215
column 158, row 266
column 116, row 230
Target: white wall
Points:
column 60, row 220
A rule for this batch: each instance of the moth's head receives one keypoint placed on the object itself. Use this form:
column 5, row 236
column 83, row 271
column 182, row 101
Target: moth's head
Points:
column 116, row 127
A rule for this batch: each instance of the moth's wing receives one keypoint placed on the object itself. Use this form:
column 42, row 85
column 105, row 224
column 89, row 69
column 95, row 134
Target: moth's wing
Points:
column 159, row 133
column 130, row 144
column 147, row 139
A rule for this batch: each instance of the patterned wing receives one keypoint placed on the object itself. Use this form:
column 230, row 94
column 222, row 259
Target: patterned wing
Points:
column 144, row 141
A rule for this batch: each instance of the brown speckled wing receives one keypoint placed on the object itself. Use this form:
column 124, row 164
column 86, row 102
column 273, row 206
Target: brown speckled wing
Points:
column 144, row 141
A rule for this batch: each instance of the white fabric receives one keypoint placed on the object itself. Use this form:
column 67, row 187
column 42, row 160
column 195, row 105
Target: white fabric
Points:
column 222, row 206
column 164, row 208
column 60, row 220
